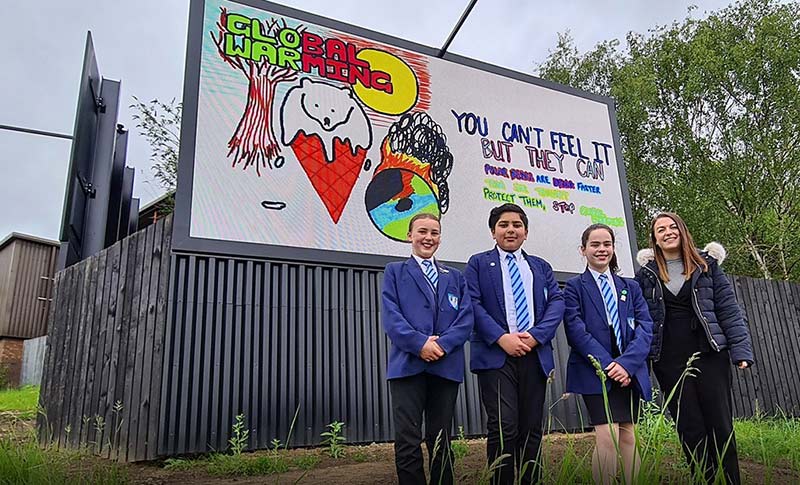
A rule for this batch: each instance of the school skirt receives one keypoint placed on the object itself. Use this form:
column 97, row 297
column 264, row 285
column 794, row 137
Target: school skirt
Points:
column 623, row 402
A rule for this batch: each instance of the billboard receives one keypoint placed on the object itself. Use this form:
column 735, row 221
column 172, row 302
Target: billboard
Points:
column 307, row 139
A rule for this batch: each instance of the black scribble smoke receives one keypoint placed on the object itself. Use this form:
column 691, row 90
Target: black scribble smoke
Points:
column 417, row 135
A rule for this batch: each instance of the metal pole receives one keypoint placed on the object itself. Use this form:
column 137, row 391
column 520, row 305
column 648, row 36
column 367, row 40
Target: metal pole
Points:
column 35, row 132
column 456, row 28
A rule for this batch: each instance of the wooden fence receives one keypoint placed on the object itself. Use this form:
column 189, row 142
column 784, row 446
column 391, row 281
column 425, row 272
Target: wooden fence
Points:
column 153, row 354
column 772, row 385
column 102, row 374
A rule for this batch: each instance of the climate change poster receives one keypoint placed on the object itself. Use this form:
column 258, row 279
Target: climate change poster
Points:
column 311, row 137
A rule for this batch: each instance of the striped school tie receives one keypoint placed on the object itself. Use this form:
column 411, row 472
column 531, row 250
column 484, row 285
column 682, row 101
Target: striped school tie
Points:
column 611, row 306
column 430, row 273
column 518, row 290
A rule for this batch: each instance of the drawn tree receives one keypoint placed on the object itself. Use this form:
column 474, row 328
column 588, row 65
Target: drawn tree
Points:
column 254, row 141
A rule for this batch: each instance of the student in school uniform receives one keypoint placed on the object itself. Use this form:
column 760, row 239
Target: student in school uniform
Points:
column 518, row 307
column 427, row 314
column 607, row 318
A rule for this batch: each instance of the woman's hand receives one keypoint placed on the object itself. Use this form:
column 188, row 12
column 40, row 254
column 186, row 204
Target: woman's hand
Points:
column 742, row 364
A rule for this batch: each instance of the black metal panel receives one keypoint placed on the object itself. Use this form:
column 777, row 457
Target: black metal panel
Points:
column 113, row 230
column 270, row 339
column 81, row 159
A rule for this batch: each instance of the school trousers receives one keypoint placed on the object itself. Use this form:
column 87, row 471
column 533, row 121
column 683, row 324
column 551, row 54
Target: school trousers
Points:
column 435, row 398
column 513, row 397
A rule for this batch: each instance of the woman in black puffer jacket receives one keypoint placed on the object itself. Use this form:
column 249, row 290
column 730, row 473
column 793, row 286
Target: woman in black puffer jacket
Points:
column 694, row 310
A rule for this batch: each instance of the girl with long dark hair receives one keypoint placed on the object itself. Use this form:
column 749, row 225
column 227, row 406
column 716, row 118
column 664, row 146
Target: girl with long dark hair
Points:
column 606, row 318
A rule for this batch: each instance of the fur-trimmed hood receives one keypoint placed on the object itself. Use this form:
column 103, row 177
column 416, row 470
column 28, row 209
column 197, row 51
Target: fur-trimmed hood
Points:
column 714, row 249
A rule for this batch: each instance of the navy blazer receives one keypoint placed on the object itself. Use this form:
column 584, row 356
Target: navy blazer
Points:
column 586, row 326
column 485, row 282
column 410, row 315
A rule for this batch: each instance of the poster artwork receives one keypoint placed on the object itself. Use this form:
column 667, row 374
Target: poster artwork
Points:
column 313, row 137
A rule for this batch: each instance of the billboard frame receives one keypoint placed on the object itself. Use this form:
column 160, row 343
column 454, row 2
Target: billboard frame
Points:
column 184, row 243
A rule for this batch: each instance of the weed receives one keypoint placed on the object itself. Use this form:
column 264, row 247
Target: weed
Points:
column 334, row 439
column 179, row 464
column 116, row 410
column 459, row 447
column 359, row 455
column 239, row 435
column 275, row 445
column 99, row 426
column 307, row 462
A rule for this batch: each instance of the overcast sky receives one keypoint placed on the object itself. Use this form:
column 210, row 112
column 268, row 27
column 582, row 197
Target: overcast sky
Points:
column 143, row 43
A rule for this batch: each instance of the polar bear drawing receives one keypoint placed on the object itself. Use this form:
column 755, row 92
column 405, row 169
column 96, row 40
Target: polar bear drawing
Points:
column 327, row 111
column 329, row 134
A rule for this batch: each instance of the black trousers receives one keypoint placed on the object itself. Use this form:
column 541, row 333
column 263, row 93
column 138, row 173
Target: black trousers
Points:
column 513, row 397
column 703, row 414
column 435, row 397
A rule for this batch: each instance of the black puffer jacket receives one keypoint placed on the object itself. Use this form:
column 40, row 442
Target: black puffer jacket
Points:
column 713, row 301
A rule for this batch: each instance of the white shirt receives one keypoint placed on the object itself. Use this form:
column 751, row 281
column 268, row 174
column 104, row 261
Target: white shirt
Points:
column 610, row 280
column 424, row 269
column 527, row 281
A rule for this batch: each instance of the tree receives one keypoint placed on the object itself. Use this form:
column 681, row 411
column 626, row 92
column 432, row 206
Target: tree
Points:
column 709, row 119
column 254, row 142
column 160, row 124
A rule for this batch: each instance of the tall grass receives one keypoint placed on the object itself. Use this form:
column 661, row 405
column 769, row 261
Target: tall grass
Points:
column 22, row 461
column 771, row 441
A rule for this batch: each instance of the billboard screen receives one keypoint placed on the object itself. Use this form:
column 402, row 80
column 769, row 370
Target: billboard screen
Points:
column 308, row 139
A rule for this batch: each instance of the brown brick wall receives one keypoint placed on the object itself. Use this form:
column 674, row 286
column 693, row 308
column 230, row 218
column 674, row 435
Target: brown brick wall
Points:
column 10, row 361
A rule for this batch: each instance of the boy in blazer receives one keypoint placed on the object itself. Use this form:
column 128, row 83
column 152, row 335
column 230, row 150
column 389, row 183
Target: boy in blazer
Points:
column 518, row 307
column 427, row 314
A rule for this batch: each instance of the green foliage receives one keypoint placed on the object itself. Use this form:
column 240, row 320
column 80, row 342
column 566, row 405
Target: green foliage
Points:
column 241, row 465
column 359, row 455
column 307, row 462
column 574, row 466
column 275, row 445
column 769, row 441
column 22, row 461
column 160, row 124
column 179, row 464
column 709, row 120
column 239, row 435
column 334, row 439
column 22, row 401
column 459, row 447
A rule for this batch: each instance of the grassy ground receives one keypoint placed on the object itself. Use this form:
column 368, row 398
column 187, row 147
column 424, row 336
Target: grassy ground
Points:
column 769, row 451
column 21, row 401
